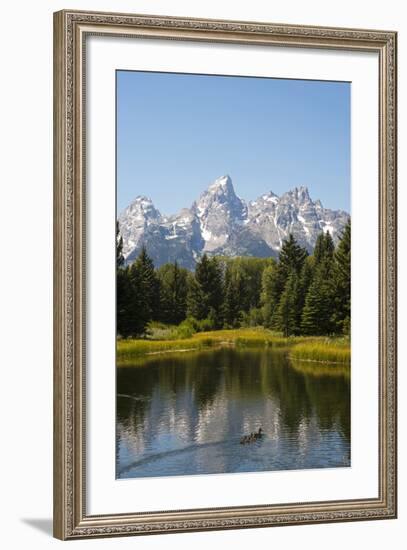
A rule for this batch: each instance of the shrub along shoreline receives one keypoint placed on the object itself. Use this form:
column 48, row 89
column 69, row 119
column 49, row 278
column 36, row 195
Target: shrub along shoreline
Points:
column 304, row 348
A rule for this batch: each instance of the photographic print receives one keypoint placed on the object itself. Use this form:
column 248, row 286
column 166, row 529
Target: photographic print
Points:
column 210, row 181
column 233, row 274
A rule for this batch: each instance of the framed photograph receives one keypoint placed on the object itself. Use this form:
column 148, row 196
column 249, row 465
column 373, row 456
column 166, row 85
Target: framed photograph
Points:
column 225, row 274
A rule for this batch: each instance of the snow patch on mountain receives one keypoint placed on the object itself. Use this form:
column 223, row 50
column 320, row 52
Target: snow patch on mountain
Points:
column 220, row 222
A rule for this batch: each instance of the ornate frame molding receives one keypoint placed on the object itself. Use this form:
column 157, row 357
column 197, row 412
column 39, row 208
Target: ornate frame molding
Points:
column 70, row 518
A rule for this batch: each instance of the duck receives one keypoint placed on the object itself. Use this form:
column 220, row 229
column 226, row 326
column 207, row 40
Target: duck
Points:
column 252, row 437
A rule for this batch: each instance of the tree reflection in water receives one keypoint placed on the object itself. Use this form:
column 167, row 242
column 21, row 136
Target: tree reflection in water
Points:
column 185, row 414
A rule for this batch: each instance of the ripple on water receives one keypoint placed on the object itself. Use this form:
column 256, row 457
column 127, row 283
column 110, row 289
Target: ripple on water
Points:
column 186, row 415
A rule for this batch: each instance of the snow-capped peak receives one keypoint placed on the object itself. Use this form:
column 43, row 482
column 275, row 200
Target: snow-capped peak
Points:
column 302, row 192
column 298, row 193
column 134, row 220
column 141, row 201
column 219, row 222
column 270, row 197
column 220, row 194
column 224, row 182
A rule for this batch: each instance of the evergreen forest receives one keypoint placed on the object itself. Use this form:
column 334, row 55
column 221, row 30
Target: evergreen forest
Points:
column 297, row 294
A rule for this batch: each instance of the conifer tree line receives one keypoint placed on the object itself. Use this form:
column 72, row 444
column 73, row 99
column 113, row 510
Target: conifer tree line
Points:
column 298, row 294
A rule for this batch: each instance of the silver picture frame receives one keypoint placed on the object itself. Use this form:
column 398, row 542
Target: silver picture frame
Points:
column 71, row 28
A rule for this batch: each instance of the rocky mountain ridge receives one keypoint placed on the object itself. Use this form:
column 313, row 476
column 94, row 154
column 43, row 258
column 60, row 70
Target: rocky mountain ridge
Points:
column 221, row 223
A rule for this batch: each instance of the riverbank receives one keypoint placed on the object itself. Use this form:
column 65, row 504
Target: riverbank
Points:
column 328, row 350
column 308, row 348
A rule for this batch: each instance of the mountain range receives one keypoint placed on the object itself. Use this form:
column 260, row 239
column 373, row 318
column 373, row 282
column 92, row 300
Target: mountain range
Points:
column 221, row 223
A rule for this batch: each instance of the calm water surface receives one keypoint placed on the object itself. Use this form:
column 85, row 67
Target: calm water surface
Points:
column 183, row 414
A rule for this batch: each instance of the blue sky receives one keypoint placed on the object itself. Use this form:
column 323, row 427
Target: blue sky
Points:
column 177, row 133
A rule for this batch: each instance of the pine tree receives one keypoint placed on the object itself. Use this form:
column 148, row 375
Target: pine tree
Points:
column 318, row 288
column 123, row 290
column 233, row 300
column 198, row 295
column 131, row 317
column 305, row 280
column 319, row 248
column 173, row 293
column 196, row 302
column 292, row 256
column 146, row 286
column 272, row 287
column 178, row 287
column 329, row 245
column 216, row 291
column 311, row 313
column 122, row 300
column 324, row 248
column 342, row 281
column 317, row 311
column 324, row 264
column 287, row 313
column 205, row 296
column 291, row 260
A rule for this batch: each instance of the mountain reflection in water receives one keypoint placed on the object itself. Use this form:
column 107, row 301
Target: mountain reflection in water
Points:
column 183, row 414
